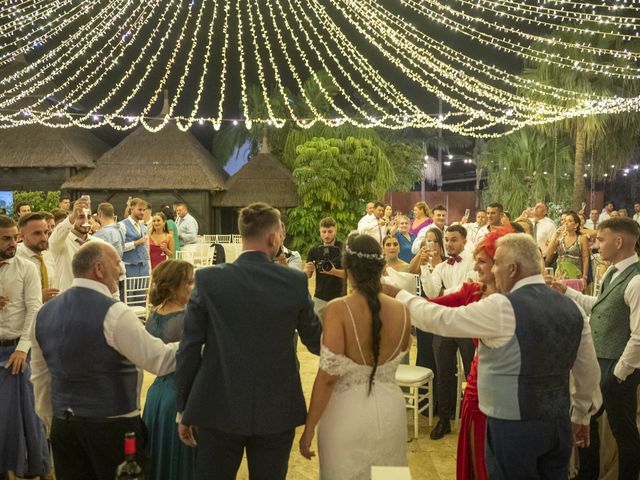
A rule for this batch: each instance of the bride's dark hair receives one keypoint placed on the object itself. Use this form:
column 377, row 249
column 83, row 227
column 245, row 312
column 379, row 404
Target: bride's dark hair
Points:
column 363, row 259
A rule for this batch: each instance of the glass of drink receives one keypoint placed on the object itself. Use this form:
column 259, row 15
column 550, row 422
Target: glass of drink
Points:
column 86, row 211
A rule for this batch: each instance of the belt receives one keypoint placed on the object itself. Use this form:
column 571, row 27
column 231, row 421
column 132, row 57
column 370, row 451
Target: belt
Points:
column 9, row 343
column 68, row 416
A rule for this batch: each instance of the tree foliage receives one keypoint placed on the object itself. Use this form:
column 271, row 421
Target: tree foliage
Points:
column 406, row 159
column 335, row 178
column 526, row 167
column 39, row 201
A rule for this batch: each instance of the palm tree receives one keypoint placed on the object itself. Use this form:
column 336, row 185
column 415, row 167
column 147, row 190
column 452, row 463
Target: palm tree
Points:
column 527, row 166
column 608, row 139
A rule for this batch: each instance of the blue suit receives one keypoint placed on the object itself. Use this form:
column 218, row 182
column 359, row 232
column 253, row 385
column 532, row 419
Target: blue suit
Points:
column 136, row 261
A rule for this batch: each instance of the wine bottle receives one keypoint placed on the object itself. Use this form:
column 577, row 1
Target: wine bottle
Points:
column 130, row 469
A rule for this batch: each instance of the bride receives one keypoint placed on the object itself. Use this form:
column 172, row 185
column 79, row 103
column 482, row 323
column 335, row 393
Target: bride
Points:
column 356, row 404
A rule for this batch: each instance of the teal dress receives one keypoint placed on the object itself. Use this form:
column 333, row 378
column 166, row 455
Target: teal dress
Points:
column 173, row 228
column 170, row 458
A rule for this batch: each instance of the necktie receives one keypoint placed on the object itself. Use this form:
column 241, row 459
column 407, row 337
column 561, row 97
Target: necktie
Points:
column 452, row 260
column 607, row 279
column 535, row 230
column 44, row 275
column 137, row 226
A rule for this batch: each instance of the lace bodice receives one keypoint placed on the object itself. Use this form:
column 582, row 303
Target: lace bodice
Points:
column 352, row 373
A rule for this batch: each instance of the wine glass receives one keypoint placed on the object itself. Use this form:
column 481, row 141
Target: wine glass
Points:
column 86, row 211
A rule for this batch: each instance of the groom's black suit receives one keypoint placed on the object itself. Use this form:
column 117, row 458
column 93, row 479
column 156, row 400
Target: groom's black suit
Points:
column 243, row 390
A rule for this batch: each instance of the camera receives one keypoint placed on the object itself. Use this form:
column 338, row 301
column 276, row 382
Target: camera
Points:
column 330, row 255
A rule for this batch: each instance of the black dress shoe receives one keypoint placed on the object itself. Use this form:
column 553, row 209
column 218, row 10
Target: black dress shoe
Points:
column 442, row 428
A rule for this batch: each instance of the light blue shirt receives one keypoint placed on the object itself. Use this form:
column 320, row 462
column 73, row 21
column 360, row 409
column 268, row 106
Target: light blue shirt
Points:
column 187, row 229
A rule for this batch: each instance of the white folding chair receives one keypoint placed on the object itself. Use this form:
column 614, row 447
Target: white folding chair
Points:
column 223, row 238
column 416, row 379
column 236, row 238
column 135, row 295
column 210, row 238
column 202, row 254
column 186, row 255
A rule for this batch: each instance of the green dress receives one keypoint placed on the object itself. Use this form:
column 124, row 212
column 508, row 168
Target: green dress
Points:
column 173, row 228
column 170, row 458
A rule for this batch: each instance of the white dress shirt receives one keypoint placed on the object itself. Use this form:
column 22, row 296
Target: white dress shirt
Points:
column 630, row 358
column 415, row 247
column 20, row 282
column 493, row 321
column 590, row 225
column 604, row 216
column 544, row 230
column 636, row 217
column 472, row 233
column 63, row 245
column 124, row 332
column 28, row 254
column 370, row 225
column 449, row 277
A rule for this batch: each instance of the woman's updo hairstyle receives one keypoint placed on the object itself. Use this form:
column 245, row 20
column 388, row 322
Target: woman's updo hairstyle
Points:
column 364, row 261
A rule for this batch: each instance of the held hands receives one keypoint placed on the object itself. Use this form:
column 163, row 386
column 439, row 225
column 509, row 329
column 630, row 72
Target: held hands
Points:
column 185, row 432
column 305, row 443
column 49, row 293
column 17, row 362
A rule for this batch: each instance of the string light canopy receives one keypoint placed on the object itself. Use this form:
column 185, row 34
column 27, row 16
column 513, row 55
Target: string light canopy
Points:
column 107, row 62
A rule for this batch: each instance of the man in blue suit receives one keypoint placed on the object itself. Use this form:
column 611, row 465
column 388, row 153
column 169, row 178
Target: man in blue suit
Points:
column 243, row 390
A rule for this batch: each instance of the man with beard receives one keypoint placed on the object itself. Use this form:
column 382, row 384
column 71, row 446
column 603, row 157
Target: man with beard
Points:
column 66, row 239
column 23, row 447
column 34, row 232
column 136, row 255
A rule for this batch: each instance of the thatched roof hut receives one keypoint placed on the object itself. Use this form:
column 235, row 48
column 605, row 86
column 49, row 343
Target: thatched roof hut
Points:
column 262, row 179
column 36, row 157
column 146, row 161
column 161, row 167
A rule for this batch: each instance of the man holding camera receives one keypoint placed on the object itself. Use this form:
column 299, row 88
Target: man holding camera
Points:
column 326, row 261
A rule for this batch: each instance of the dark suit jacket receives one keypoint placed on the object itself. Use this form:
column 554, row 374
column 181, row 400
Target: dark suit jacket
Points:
column 246, row 380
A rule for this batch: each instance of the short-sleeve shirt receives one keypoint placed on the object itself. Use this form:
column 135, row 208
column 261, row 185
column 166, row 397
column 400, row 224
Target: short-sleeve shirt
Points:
column 328, row 287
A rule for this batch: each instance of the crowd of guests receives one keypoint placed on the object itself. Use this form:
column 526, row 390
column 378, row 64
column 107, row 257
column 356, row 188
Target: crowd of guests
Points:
column 222, row 342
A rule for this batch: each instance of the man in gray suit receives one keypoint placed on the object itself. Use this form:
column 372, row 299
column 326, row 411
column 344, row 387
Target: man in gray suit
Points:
column 243, row 390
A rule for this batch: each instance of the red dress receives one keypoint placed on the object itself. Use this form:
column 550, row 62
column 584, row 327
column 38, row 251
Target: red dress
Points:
column 471, row 416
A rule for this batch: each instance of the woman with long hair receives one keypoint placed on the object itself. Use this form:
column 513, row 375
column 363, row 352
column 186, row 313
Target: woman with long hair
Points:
column 470, row 459
column 356, row 404
column 572, row 250
column 421, row 217
column 160, row 240
column 431, row 252
column 171, row 284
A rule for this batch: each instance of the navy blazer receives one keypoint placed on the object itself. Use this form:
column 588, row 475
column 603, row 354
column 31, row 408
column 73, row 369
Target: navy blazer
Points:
column 245, row 380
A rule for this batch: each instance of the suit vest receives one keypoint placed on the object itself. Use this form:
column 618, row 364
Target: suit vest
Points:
column 88, row 376
column 528, row 378
column 139, row 254
column 609, row 321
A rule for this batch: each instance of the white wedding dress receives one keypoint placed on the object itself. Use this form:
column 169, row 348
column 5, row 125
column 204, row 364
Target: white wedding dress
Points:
column 358, row 430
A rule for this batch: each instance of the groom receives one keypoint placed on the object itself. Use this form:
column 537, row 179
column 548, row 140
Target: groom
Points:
column 243, row 390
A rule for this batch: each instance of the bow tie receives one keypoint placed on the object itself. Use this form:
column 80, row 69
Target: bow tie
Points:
column 452, row 260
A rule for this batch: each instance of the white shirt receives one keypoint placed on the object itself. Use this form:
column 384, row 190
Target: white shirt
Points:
column 604, row 216
column 636, row 217
column 446, row 276
column 187, row 229
column 590, row 225
column 415, row 247
column 544, row 231
column 28, row 254
column 124, row 332
column 369, row 225
column 630, row 358
column 19, row 280
column 472, row 233
column 63, row 245
column 493, row 321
